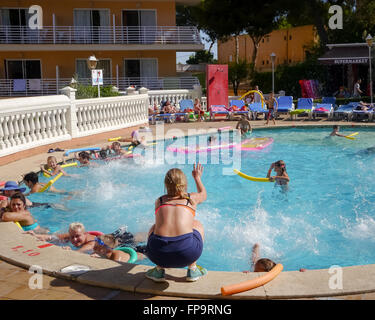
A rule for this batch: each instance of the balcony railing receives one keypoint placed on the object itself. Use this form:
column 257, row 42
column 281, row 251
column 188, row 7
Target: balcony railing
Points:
column 34, row 87
column 99, row 35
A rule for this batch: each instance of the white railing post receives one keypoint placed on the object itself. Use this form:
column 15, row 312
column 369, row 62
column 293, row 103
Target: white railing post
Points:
column 71, row 117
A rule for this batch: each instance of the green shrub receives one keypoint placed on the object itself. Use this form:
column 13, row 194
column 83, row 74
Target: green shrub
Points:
column 87, row 92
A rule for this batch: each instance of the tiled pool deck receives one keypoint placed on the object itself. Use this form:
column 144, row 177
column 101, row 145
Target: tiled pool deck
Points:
column 109, row 280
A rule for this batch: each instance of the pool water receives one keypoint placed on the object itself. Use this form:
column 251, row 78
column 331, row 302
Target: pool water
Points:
column 325, row 218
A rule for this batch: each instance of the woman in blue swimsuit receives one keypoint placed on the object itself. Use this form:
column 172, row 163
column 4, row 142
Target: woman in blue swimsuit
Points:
column 19, row 213
column 176, row 238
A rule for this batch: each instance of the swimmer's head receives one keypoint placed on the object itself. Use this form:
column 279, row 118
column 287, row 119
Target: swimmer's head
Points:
column 264, row 265
column 336, row 127
column 77, row 234
column 116, row 146
column 105, row 243
column 31, row 179
column 280, row 166
column 18, row 202
column 52, row 162
column 176, row 183
column 84, row 157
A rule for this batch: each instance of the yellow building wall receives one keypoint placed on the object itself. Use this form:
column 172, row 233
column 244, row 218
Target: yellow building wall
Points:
column 288, row 44
column 66, row 61
column 63, row 9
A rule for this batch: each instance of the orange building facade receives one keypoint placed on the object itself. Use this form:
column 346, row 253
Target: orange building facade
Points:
column 135, row 42
column 289, row 45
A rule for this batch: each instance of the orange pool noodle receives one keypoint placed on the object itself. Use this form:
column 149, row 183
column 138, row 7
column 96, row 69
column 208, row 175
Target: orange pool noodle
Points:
column 253, row 283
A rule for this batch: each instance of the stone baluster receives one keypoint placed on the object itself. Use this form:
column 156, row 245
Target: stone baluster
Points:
column 48, row 124
column 64, row 124
column 16, row 129
column 36, row 120
column 79, row 120
column 89, row 118
column 84, row 119
column 22, row 129
column 72, row 113
column 2, row 144
column 11, row 132
column 6, row 132
column 28, row 131
column 53, row 123
column 57, row 114
column 43, row 127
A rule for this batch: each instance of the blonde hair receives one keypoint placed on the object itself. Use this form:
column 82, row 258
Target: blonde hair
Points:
column 52, row 158
column 76, row 225
column 176, row 183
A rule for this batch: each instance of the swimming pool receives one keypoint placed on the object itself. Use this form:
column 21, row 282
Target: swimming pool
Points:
column 326, row 217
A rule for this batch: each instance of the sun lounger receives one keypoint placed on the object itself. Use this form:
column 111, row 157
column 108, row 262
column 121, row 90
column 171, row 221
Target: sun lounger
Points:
column 256, row 108
column 285, row 104
column 304, row 106
column 186, row 108
column 344, row 112
column 219, row 110
column 359, row 115
column 237, row 107
column 323, row 109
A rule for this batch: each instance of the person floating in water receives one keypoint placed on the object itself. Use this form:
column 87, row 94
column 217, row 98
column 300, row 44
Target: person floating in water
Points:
column 335, row 131
column 244, row 126
column 211, row 140
column 262, row 264
column 52, row 168
column 282, row 177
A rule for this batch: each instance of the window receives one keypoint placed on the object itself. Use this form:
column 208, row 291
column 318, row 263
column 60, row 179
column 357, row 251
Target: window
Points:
column 14, row 17
column 285, row 38
column 23, row 69
column 230, row 58
column 92, row 26
column 263, row 62
column 290, row 37
column 143, row 72
column 84, row 72
column 133, row 19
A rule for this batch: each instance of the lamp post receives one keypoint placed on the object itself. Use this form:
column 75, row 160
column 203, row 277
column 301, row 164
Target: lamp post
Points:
column 91, row 64
column 273, row 57
column 369, row 43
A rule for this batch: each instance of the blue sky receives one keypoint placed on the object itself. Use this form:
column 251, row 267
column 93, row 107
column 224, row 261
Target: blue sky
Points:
column 183, row 56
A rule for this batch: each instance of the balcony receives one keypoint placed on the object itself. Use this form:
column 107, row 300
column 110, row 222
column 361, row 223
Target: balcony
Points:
column 37, row 87
column 111, row 35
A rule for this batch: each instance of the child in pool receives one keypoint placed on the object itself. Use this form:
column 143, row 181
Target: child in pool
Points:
column 335, row 131
column 282, row 177
column 176, row 238
column 263, row 264
column 52, row 168
column 244, row 126
column 18, row 213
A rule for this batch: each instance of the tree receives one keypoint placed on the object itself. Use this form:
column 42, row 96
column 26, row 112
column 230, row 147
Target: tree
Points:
column 202, row 56
column 237, row 72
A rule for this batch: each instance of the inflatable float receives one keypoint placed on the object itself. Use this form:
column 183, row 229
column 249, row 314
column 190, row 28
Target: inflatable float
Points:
column 253, row 283
column 50, row 183
column 255, row 144
column 245, row 176
column 72, row 164
column 201, row 149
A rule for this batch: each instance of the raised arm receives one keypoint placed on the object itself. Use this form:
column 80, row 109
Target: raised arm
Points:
column 201, row 194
